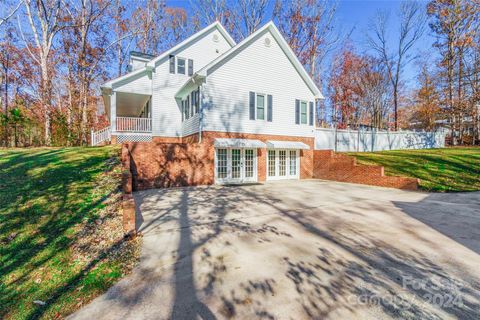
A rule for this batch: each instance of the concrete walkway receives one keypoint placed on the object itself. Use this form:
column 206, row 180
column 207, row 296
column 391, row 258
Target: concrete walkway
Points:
column 301, row 250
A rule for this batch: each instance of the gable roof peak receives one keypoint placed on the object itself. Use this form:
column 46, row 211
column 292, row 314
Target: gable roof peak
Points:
column 193, row 37
column 270, row 26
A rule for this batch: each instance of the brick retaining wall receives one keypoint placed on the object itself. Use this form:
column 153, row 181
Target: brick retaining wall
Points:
column 329, row 165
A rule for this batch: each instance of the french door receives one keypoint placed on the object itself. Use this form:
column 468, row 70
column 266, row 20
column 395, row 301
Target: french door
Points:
column 235, row 165
column 283, row 164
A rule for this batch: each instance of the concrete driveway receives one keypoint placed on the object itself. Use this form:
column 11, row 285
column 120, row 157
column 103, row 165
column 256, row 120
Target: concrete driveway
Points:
column 301, row 250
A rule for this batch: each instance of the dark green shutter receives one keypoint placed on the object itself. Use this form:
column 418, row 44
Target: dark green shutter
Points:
column 269, row 107
column 183, row 110
column 297, row 111
column 311, row 114
column 252, row 105
column 172, row 63
column 197, row 100
column 190, row 67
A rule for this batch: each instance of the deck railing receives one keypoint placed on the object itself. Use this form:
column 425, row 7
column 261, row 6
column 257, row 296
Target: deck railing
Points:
column 129, row 124
column 101, row 136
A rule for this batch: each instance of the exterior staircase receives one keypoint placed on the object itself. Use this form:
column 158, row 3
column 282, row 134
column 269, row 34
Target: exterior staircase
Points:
column 329, row 165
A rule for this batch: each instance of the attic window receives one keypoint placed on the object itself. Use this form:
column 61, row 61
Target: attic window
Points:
column 216, row 38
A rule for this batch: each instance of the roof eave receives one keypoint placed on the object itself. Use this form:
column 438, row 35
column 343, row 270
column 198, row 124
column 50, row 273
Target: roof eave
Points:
column 109, row 84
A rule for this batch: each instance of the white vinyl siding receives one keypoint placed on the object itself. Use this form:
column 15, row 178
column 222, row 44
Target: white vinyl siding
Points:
column 140, row 84
column 166, row 110
column 261, row 69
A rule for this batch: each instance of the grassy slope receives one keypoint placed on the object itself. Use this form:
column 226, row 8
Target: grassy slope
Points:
column 51, row 200
column 449, row 169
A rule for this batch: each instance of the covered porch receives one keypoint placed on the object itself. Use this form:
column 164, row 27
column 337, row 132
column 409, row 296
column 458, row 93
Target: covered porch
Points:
column 128, row 106
column 129, row 112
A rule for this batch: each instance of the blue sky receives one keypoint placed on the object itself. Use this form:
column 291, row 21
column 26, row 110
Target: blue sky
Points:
column 354, row 16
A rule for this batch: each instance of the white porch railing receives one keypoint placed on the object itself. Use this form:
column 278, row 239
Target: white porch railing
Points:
column 129, row 124
column 101, row 136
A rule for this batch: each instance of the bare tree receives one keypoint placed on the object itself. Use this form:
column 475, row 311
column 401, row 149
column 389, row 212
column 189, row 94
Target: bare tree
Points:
column 412, row 25
column 456, row 24
column 209, row 11
column 240, row 18
column 252, row 14
column 43, row 17
column 10, row 13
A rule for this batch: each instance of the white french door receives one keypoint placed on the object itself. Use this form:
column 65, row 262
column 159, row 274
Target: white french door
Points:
column 283, row 164
column 235, row 165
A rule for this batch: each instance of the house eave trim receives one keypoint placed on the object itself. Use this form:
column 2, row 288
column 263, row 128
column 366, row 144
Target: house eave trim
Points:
column 109, row 84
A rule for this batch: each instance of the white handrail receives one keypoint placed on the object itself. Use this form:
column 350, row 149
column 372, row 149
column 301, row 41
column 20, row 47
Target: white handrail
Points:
column 101, row 136
column 130, row 124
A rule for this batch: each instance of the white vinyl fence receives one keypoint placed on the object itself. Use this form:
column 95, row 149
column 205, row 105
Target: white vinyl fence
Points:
column 353, row 140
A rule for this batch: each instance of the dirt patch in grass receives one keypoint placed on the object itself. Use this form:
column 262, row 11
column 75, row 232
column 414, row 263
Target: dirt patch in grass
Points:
column 61, row 230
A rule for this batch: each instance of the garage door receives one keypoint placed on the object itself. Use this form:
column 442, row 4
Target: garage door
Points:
column 283, row 164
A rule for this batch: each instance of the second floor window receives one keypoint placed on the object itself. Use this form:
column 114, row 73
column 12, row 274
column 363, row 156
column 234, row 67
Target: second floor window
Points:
column 180, row 65
column 260, row 107
column 303, row 112
column 191, row 105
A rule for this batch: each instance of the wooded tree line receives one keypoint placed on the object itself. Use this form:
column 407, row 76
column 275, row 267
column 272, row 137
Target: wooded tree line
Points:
column 55, row 54
column 369, row 89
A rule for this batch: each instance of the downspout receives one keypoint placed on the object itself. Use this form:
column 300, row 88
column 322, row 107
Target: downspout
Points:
column 152, row 70
column 200, row 124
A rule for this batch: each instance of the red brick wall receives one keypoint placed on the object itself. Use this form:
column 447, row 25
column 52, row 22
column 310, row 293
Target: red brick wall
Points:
column 306, row 156
column 329, row 165
column 170, row 162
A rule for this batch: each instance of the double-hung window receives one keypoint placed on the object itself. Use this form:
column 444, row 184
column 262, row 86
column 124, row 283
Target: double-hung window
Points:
column 186, row 108
column 303, row 112
column 191, row 105
column 197, row 100
column 181, row 65
column 260, row 107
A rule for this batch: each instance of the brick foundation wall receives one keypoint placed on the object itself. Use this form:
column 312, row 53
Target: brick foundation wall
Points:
column 128, row 202
column 329, row 165
column 173, row 162
column 306, row 156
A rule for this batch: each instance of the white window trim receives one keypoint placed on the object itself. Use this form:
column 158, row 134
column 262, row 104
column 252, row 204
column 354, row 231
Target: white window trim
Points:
column 242, row 179
column 300, row 113
column 287, row 165
column 184, row 66
column 264, row 106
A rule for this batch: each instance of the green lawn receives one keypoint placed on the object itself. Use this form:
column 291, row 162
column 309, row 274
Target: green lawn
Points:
column 443, row 170
column 61, row 240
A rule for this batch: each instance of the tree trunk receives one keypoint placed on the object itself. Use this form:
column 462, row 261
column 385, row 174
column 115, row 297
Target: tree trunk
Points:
column 45, row 96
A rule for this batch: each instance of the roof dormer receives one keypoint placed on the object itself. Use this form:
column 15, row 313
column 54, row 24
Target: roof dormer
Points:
column 138, row 60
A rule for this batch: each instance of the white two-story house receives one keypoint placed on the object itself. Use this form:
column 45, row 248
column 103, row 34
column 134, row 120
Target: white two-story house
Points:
column 250, row 104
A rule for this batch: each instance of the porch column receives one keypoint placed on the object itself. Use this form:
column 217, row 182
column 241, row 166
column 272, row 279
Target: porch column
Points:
column 113, row 112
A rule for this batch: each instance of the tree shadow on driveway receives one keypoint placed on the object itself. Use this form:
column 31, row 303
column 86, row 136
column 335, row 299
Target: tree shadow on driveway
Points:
column 268, row 252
